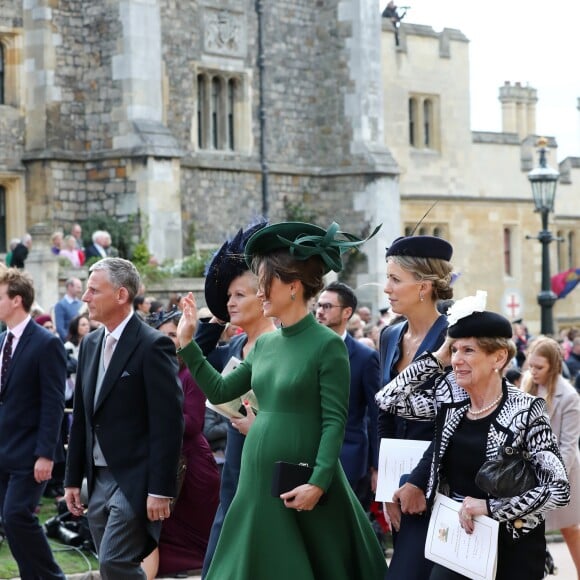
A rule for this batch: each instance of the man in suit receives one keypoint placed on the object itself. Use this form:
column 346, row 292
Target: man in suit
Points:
column 32, row 379
column 127, row 424
column 98, row 247
column 68, row 306
column 359, row 454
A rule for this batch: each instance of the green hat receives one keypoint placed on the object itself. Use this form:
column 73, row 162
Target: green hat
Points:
column 304, row 241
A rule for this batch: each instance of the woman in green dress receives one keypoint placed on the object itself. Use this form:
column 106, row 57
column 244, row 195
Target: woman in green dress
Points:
column 300, row 375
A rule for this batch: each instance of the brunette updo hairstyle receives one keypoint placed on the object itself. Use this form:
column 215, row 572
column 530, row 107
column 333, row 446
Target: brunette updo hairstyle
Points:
column 281, row 264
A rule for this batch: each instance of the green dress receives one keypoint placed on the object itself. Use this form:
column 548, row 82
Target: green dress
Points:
column 300, row 375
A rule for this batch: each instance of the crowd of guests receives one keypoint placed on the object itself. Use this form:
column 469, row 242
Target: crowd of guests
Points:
column 330, row 380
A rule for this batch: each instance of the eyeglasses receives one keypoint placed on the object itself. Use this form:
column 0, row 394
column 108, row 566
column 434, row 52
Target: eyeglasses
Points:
column 327, row 306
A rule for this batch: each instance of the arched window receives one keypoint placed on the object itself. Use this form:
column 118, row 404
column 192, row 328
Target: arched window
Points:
column 560, row 249
column 200, row 111
column 507, row 251
column 412, row 121
column 571, row 247
column 215, row 111
column 230, row 116
column 2, row 75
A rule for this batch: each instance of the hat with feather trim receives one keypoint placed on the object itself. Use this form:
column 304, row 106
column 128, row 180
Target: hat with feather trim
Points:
column 303, row 241
column 226, row 264
column 421, row 247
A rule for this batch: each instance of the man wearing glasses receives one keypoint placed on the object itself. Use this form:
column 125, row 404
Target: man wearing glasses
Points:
column 359, row 454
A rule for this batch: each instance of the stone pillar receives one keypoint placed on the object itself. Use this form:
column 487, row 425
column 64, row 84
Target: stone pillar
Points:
column 159, row 202
column 137, row 66
column 380, row 199
column 518, row 105
column 42, row 265
column 39, row 68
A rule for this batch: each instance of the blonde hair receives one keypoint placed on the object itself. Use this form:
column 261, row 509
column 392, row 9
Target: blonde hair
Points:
column 435, row 270
column 549, row 349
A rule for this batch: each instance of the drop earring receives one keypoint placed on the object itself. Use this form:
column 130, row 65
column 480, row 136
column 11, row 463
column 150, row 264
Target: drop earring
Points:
column 293, row 296
column 421, row 298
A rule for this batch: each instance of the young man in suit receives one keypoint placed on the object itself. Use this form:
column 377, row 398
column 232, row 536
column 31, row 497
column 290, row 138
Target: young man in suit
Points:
column 32, row 379
column 359, row 454
column 127, row 424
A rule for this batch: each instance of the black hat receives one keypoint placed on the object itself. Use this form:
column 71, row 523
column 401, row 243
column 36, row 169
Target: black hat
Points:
column 227, row 264
column 159, row 318
column 481, row 325
column 303, row 241
column 421, row 247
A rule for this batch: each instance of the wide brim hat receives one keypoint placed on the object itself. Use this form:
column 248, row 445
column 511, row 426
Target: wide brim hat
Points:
column 421, row 247
column 304, row 240
column 225, row 266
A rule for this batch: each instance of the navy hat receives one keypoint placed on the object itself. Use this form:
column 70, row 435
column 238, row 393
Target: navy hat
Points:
column 226, row 265
column 159, row 318
column 481, row 325
column 421, row 247
column 303, row 241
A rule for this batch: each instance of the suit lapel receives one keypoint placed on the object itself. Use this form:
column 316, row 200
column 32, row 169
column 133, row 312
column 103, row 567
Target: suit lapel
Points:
column 91, row 348
column 127, row 344
column 20, row 347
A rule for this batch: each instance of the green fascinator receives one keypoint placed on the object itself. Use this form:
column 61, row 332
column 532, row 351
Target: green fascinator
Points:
column 304, row 241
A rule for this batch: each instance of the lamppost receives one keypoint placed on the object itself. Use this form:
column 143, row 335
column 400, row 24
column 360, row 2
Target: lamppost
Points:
column 544, row 180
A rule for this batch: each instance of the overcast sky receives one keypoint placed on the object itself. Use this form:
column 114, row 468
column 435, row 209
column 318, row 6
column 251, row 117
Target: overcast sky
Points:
column 536, row 43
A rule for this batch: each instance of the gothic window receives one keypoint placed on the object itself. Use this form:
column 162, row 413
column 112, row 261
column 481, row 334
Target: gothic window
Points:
column 427, row 122
column 507, row 251
column 230, row 113
column 200, row 108
column 424, row 121
column 2, row 218
column 2, row 68
column 412, row 121
column 223, row 112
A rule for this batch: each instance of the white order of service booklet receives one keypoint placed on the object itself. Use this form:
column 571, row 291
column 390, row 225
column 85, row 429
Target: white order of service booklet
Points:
column 396, row 457
column 473, row 555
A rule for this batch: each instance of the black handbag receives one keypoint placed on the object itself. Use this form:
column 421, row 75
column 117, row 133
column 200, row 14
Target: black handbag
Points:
column 287, row 476
column 509, row 474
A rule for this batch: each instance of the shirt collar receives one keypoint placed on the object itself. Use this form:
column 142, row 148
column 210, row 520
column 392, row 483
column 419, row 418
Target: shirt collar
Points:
column 19, row 328
column 118, row 330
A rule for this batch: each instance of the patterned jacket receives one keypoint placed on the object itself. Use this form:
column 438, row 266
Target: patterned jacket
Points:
column 521, row 422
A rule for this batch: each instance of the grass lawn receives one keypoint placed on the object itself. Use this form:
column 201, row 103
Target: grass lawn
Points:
column 71, row 560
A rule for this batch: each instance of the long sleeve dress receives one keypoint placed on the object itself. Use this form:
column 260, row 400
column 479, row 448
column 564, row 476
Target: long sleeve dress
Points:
column 300, row 375
column 184, row 536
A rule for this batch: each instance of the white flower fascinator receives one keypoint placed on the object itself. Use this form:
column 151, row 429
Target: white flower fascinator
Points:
column 467, row 306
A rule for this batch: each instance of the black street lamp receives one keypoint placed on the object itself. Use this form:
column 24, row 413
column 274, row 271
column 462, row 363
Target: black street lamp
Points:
column 544, row 180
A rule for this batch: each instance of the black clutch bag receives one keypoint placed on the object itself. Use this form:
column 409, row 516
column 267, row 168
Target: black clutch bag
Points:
column 287, row 476
column 509, row 474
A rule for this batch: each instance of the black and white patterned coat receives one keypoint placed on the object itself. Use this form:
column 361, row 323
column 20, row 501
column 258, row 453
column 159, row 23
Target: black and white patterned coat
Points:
column 521, row 422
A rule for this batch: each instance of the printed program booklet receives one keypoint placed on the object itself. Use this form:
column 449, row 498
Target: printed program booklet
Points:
column 232, row 409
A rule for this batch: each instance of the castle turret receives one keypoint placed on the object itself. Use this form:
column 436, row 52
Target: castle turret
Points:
column 518, row 106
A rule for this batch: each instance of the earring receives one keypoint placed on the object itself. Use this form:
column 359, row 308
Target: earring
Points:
column 421, row 298
column 292, row 296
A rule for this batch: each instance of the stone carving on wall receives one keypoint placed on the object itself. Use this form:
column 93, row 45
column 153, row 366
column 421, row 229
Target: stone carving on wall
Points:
column 225, row 33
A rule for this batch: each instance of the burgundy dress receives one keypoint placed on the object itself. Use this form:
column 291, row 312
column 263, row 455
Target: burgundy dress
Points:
column 184, row 535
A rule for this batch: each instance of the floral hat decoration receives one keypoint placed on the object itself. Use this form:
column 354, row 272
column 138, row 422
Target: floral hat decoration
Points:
column 469, row 318
column 305, row 240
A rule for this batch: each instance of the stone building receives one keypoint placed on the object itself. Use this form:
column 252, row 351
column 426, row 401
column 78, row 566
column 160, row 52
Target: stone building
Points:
column 193, row 118
column 152, row 108
column 478, row 179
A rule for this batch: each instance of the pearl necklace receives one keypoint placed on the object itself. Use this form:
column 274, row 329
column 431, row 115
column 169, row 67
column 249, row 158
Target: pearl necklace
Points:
column 490, row 406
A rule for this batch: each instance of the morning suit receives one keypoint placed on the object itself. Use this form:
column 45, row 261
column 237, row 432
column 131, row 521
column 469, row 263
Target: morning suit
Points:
column 138, row 420
column 31, row 412
column 360, row 447
column 409, row 562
